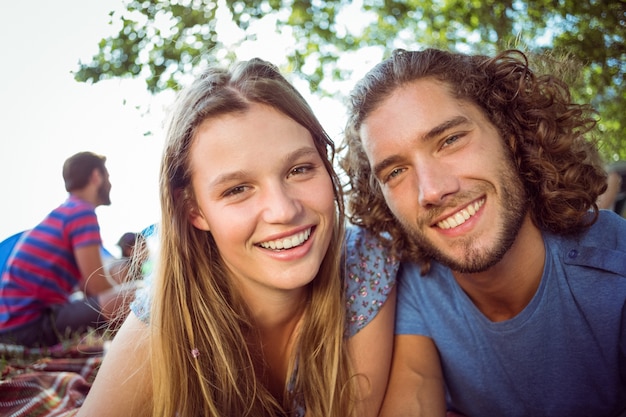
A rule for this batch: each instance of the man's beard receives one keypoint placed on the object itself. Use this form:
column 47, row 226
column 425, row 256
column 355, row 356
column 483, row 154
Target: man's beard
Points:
column 104, row 195
column 514, row 207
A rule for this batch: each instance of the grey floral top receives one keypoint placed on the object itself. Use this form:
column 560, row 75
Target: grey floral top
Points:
column 370, row 274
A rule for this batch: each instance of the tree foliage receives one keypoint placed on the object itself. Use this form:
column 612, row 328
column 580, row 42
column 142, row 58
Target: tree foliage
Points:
column 161, row 41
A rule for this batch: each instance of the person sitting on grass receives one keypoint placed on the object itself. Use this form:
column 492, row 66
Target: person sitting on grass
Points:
column 57, row 258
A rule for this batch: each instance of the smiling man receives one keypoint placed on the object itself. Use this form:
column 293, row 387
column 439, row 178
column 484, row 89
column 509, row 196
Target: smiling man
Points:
column 511, row 299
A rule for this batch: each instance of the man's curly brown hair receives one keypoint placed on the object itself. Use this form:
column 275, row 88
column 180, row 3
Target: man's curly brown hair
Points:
column 534, row 114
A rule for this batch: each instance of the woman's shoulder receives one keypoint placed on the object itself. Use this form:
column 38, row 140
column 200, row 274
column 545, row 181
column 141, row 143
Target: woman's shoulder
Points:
column 140, row 305
column 369, row 273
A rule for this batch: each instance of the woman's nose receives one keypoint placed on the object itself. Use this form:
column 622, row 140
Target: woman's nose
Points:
column 280, row 206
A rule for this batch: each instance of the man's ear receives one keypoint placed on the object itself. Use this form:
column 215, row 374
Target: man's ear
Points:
column 96, row 177
column 197, row 219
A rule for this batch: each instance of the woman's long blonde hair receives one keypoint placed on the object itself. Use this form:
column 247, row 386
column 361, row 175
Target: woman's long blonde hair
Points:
column 204, row 361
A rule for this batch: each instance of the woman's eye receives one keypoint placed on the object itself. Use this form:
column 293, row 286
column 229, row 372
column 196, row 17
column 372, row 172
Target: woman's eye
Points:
column 301, row 169
column 235, row 190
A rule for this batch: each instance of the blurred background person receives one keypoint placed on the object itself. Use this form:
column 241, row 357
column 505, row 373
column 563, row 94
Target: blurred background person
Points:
column 615, row 195
column 57, row 258
column 130, row 266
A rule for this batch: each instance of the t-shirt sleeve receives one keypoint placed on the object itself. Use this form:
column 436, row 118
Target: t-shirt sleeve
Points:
column 82, row 227
column 409, row 319
column 370, row 274
column 140, row 306
column 426, row 302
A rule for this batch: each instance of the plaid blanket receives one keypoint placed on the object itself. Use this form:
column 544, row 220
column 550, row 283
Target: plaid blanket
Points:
column 47, row 382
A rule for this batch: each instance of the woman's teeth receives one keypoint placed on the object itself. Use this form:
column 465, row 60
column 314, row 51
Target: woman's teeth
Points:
column 288, row 242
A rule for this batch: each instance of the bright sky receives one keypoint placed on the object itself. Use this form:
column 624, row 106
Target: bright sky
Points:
column 46, row 116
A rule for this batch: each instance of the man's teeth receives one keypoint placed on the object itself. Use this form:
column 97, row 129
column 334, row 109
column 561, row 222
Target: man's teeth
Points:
column 460, row 217
column 289, row 242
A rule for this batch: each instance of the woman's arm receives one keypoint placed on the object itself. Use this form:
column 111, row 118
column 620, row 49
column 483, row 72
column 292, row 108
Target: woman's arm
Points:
column 123, row 386
column 416, row 387
column 371, row 350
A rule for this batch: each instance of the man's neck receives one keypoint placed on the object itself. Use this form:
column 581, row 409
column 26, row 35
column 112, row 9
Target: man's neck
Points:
column 505, row 289
column 86, row 195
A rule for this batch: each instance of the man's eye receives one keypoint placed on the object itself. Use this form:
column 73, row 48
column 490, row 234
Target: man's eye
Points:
column 394, row 173
column 450, row 140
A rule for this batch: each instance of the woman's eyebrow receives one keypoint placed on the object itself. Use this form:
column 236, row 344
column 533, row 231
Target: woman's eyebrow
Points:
column 234, row 176
column 299, row 153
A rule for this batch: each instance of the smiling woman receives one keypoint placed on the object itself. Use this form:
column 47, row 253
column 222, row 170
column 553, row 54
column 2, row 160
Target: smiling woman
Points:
column 274, row 189
column 247, row 312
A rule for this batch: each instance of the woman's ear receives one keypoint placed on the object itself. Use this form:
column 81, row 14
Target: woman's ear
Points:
column 194, row 214
column 197, row 219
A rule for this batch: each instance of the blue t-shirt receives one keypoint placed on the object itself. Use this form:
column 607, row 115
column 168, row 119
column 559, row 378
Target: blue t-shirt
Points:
column 563, row 355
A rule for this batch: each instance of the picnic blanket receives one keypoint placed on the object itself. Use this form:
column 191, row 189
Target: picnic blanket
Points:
column 50, row 382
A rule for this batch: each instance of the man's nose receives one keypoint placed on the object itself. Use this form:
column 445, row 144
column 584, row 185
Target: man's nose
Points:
column 435, row 181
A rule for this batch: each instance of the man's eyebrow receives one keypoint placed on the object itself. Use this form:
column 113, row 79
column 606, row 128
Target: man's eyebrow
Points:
column 431, row 134
column 382, row 165
column 448, row 124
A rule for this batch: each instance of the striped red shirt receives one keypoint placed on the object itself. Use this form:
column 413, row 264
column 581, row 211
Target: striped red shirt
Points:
column 42, row 270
